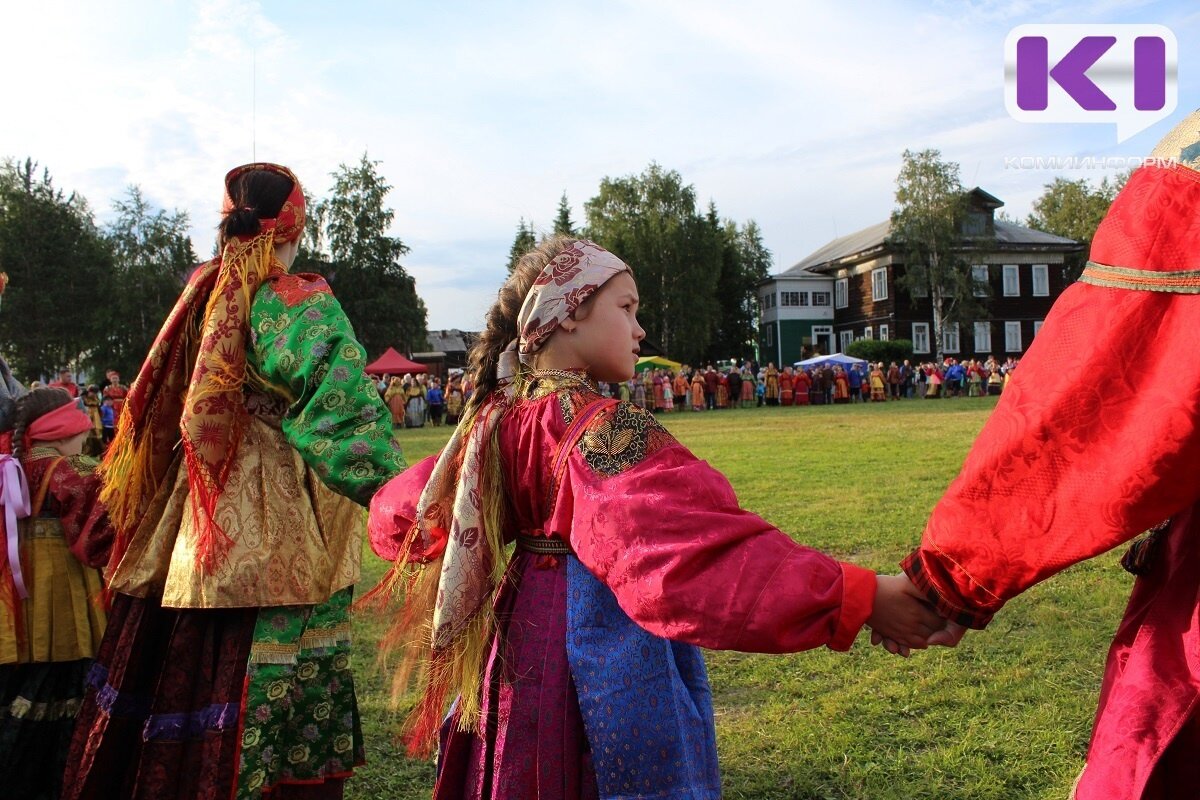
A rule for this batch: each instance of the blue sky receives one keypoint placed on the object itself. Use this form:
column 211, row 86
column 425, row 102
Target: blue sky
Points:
column 793, row 114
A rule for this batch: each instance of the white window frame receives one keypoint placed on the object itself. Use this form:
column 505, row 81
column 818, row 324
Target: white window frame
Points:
column 979, row 278
column 951, row 337
column 1012, row 337
column 846, row 338
column 1012, row 280
column 983, row 343
column 841, row 293
column 884, row 332
column 1037, row 326
column 920, row 291
column 825, row 295
column 1044, row 271
column 868, row 333
column 920, row 337
column 803, row 296
column 879, row 286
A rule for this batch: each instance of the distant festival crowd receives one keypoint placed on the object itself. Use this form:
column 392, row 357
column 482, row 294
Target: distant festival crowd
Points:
column 750, row 386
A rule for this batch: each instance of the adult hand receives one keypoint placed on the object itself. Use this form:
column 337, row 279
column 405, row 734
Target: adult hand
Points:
column 901, row 620
column 948, row 636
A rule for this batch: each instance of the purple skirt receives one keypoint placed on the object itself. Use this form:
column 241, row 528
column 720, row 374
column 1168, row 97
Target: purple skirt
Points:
column 532, row 742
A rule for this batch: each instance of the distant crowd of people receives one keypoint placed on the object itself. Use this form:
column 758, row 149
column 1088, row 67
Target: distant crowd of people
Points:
column 750, row 386
column 102, row 404
column 414, row 400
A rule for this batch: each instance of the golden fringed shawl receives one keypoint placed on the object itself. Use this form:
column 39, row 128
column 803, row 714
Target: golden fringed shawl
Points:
column 189, row 389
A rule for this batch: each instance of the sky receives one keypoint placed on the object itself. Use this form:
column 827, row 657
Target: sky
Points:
column 792, row 114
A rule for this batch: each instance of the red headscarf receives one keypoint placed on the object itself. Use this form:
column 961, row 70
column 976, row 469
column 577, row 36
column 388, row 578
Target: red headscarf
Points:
column 197, row 399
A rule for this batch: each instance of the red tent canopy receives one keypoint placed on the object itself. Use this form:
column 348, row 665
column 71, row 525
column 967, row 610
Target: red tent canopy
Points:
column 392, row 363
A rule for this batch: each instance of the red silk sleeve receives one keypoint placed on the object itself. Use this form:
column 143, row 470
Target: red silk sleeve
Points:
column 685, row 562
column 394, row 508
column 1094, row 440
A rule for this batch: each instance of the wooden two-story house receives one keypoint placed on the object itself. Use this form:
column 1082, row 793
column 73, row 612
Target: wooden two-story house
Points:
column 1021, row 267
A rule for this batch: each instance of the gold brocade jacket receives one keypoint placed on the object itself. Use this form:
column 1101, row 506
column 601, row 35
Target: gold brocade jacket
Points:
column 317, row 444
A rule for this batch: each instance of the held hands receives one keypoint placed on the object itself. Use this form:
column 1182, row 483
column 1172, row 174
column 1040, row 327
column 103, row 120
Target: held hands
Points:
column 903, row 621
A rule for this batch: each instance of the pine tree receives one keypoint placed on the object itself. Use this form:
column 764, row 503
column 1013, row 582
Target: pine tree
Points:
column 523, row 242
column 562, row 223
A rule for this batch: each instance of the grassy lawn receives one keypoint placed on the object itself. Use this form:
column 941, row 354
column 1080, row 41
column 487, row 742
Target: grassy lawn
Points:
column 1006, row 715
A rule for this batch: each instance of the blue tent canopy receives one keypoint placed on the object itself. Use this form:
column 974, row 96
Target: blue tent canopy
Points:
column 839, row 359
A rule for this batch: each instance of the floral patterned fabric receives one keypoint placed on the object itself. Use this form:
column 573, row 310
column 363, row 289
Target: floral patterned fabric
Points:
column 304, row 349
column 301, row 718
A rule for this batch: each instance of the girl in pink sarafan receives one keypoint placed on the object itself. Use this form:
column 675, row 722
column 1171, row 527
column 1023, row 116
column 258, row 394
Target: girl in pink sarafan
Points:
column 576, row 662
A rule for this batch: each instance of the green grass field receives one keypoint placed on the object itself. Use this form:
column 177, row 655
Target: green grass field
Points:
column 1006, row 715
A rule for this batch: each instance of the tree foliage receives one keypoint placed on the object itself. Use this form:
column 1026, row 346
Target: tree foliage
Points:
column 362, row 262
column 1074, row 209
column 745, row 262
column 523, row 242
column 927, row 227
column 885, row 350
column 650, row 221
column 59, row 268
column 563, row 224
column 152, row 255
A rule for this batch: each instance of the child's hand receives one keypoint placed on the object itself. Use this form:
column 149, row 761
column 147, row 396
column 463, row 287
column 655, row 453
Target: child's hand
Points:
column 902, row 620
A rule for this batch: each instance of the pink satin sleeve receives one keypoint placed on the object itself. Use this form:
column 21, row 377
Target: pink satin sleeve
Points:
column 687, row 563
column 394, row 507
column 1094, row 441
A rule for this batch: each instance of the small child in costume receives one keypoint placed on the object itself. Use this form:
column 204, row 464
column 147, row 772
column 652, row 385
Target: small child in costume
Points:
column 51, row 620
column 577, row 663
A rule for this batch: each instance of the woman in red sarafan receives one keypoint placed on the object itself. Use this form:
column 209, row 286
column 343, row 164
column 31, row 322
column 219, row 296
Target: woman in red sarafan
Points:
column 1067, row 468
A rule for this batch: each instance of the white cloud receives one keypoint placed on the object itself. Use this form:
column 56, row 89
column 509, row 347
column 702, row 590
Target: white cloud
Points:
column 794, row 114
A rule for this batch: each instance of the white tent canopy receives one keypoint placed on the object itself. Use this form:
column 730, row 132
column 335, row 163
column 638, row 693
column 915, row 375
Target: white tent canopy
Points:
column 837, row 358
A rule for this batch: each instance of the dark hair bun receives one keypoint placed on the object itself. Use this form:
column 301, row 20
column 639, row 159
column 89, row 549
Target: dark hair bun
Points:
column 242, row 222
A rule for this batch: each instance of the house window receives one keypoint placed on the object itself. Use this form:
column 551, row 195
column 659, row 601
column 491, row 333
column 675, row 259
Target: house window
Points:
column 846, row 338
column 1037, row 326
column 1012, row 337
column 879, row 284
column 1012, row 282
column 868, row 333
column 1041, row 280
column 771, row 335
column 803, row 298
column 979, row 277
column 820, row 298
column 920, row 290
column 950, row 337
column 983, row 337
column 789, row 298
column 920, row 337
column 975, row 223
column 841, row 289
column 884, row 333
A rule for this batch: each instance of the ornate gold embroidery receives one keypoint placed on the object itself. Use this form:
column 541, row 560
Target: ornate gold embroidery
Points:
column 622, row 438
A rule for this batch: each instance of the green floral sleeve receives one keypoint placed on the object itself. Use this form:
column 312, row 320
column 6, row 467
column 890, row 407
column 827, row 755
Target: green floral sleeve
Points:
column 304, row 349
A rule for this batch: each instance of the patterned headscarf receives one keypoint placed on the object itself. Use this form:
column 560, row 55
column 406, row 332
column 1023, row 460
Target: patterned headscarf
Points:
column 1182, row 144
column 455, row 539
column 189, row 389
